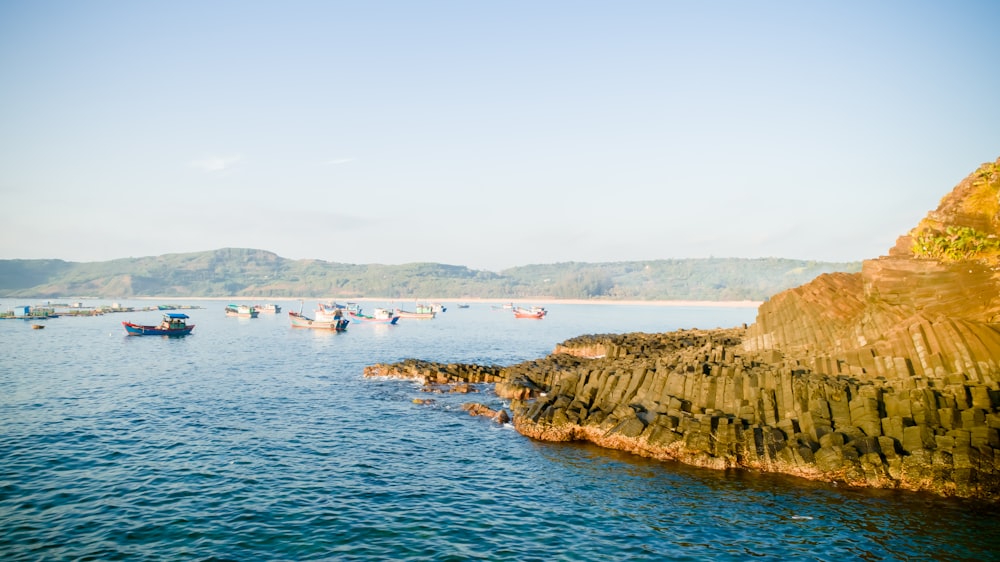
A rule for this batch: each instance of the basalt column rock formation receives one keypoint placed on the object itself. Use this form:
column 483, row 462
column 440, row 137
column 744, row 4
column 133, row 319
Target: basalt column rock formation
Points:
column 886, row 378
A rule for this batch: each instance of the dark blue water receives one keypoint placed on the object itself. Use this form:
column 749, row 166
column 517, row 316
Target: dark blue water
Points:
column 250, row 440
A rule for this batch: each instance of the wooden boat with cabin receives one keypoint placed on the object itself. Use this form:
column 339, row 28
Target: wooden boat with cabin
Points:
column 173, row 324
column 535, row 312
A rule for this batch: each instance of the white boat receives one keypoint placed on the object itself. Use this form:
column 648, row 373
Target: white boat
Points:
column 241, row 310
column 300, row 321
column 380, row 315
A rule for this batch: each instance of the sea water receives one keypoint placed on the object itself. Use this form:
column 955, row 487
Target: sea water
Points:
column 252, row 440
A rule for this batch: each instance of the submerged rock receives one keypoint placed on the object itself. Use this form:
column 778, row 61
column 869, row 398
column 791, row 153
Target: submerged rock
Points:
column 474, row 409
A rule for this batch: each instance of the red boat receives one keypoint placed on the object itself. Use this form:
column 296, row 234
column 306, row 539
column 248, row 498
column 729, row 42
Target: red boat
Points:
column 535, row 312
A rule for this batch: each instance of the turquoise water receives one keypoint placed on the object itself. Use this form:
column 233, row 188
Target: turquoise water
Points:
column 250, row 440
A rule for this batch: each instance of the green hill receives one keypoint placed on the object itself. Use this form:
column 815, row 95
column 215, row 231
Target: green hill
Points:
column 258, row 273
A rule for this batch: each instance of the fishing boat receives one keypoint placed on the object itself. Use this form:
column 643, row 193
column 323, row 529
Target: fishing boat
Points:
column 328, row 312
column 173, row 324
column 379, row 316
column 241, row 311
column 349, row 306
column 424, row 311
column 407, row 314
column 269, row 308
column 535, row 312
column 299, row 321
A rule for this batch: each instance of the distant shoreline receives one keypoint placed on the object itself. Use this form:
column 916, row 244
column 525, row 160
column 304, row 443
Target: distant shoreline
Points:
column 529, row 300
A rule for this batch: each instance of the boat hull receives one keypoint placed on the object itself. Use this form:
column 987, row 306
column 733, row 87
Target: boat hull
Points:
column 241, row 311
column 140, row 330
column 532, row 313
column 300, row 321
column 373, row 319
column 252, row 314
column 408, row 314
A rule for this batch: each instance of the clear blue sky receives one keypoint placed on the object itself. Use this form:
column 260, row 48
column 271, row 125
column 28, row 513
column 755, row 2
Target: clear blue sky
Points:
column 488, row 134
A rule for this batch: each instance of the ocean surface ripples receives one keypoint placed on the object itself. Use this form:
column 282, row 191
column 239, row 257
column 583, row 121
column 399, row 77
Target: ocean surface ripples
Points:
column 251, row 440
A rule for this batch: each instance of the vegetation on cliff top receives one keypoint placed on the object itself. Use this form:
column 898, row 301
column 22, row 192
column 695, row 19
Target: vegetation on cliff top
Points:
column 957, row 243
column 966, row 225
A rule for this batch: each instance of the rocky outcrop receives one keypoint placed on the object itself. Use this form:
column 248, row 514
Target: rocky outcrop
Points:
column 430, row 373
column 499, row 416
column 703, row 399
column 931, row 308
column 886, row 378
column 699, row 397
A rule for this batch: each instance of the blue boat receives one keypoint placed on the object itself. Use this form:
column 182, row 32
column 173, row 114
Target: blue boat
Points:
column 173, row 324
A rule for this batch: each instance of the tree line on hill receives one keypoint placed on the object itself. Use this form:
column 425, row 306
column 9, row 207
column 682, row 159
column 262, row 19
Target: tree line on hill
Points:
column 262, row 274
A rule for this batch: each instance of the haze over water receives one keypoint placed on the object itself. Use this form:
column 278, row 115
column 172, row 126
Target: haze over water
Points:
column 253, row 440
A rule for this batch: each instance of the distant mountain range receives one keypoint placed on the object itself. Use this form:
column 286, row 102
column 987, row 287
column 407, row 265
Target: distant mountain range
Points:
column 259, row 274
